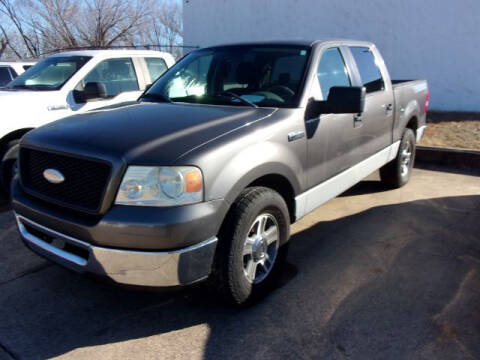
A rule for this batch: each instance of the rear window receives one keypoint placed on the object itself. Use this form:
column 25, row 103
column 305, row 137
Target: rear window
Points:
column 369, row 71
column 156, row 67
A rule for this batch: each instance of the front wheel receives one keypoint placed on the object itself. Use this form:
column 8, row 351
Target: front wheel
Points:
column 396, row 173
column 8, row 166
column 252, row 245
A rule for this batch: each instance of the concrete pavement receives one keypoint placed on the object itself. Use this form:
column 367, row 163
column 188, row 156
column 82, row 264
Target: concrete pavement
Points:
column 373, row 274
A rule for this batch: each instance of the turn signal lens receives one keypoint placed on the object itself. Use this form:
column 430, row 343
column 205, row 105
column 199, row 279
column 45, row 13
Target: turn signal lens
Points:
column 193, row 181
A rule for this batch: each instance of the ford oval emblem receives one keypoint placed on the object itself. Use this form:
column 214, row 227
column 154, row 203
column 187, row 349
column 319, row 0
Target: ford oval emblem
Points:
column 54, row 176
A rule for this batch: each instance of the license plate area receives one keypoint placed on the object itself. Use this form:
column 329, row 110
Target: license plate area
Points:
column 58, row 242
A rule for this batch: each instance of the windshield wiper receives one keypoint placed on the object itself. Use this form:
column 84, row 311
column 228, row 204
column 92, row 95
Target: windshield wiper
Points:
column 228, row 94
column 155, row 96
column 21, row 87
column 39, row 87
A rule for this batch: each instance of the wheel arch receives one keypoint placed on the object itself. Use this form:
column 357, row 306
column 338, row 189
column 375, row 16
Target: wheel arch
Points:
column 280, row 181
column 281, row 185
column 413, row 124
column 410, row 119
column 14, row 135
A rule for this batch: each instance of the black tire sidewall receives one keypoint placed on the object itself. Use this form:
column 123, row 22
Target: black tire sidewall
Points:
column 6, row 167
column 409, row 136
column 256, row 202
column 391, row 173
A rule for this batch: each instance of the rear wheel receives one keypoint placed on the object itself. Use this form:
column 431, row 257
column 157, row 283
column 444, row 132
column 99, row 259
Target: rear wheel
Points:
column 396, row 173
column 252, row 246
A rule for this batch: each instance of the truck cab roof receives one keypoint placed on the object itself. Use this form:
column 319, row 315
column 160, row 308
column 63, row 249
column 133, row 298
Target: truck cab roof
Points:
column 115, row 53
column 306, row 43
column 10, row 63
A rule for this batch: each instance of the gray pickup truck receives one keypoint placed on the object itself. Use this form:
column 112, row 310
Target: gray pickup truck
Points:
column 203, row 175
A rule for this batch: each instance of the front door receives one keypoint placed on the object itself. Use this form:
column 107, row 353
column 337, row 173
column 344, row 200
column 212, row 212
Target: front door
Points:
column 121, row 83
column 332, row 138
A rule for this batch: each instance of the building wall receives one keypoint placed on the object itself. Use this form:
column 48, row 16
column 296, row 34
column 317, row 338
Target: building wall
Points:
column 437, row 40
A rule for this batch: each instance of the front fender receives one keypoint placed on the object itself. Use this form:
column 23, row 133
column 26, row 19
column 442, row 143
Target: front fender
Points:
column 232, row 162
column 252, row 163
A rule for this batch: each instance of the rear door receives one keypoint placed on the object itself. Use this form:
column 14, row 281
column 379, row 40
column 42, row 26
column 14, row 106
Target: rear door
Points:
column 332, row 138
column 154, row 68
column 376, row 121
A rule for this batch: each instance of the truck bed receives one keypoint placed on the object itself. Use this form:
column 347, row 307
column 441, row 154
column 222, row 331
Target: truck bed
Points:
column 409, row 95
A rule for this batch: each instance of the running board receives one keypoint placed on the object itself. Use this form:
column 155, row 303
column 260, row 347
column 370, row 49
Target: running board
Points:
column 320, row 194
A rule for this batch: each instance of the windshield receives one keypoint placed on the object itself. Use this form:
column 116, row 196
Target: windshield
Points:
column 49, row 74
column 268, row 76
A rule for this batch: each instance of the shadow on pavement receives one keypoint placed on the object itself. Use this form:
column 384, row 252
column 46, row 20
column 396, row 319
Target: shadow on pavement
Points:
column 396, row 281
column 366, row 187
column 4, row 204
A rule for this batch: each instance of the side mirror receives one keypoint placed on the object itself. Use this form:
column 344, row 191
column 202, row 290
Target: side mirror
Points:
column 342, row 100
column 94, row 90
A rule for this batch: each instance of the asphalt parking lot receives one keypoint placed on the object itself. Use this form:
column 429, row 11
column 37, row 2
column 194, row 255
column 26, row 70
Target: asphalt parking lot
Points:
column 373, row 274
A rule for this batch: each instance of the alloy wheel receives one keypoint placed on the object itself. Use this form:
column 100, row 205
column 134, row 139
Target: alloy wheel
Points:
column 260, row 248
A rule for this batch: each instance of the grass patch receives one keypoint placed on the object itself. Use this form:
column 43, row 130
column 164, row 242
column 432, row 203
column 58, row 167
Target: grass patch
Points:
column 452, row 130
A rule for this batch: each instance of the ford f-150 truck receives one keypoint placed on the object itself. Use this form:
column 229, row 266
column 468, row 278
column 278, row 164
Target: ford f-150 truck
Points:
column 203, row 175
column 69, row 83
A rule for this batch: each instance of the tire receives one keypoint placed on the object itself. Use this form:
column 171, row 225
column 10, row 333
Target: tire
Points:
column 7, row 168
column 396, row 173
column 252, row 246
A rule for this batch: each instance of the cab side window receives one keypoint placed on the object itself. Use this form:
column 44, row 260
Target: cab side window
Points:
column 5, row 75
column 156, row 67
column 369, row 71
column 118, row 75
column 332, row 71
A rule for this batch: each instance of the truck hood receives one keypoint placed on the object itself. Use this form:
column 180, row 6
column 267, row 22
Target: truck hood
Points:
column 143, row 133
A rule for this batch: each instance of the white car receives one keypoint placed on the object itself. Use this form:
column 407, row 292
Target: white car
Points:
column 70, row 83
column 9, row 70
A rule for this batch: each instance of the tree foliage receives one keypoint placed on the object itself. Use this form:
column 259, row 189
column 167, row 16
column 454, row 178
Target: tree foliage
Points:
column 30, row 28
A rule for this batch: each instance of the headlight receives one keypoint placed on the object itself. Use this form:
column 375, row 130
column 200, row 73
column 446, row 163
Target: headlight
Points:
column 161, row 186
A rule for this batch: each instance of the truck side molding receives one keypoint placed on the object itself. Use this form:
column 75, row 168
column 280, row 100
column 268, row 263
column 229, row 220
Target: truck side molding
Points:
column 321, row 193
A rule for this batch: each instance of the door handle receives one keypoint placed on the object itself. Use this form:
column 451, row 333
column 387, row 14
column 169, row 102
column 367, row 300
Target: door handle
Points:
column 295, row 135
column 388, row 107
column 357, row 120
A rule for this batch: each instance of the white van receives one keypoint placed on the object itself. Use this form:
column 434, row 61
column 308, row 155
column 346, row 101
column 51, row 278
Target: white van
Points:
column 70, row 83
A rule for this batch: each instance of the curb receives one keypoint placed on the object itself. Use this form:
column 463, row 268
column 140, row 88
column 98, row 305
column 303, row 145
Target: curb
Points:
column 460, row 159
